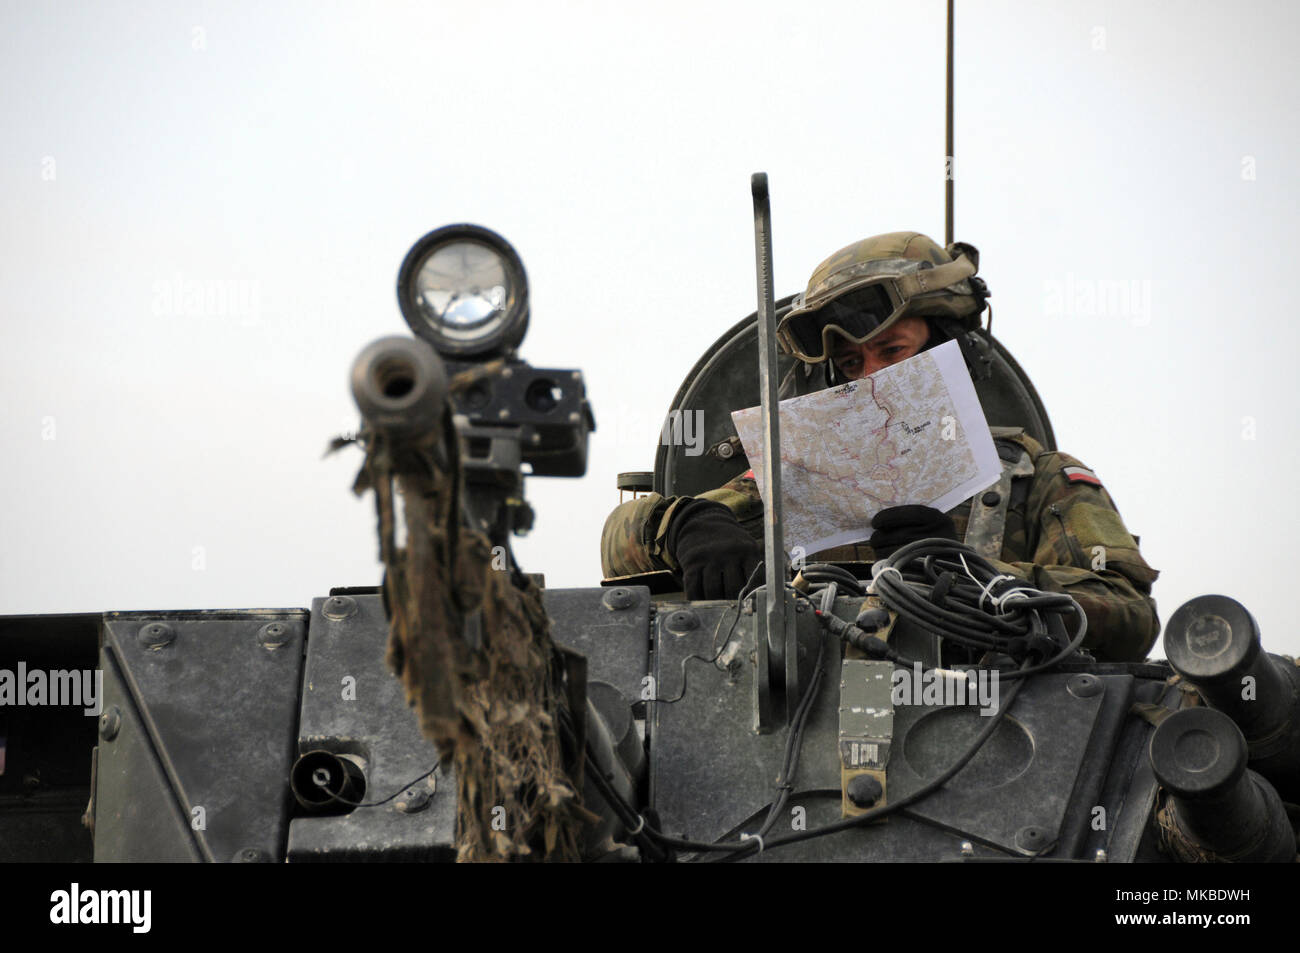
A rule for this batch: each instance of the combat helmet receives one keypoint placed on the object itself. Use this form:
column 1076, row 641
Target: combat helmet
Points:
column 865, row 288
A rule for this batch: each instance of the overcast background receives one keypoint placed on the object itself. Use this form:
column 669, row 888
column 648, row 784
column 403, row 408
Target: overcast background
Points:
column 163, row 454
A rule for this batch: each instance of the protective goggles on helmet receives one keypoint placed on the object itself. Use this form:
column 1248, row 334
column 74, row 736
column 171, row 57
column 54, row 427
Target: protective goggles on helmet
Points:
column 857, row 315
column 869, row 304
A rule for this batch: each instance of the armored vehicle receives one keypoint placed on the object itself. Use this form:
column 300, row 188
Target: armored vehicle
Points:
column 622, row 721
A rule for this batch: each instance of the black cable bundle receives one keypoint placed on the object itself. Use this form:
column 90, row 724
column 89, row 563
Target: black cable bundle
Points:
column 949, row 590
column 829, row 572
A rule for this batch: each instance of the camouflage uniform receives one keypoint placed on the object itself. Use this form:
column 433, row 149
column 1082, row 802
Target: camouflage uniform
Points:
column 1062, row 532
column 1060, row 523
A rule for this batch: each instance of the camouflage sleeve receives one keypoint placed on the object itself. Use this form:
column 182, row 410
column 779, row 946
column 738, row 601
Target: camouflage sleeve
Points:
column 1080, row 546
column 635, row 535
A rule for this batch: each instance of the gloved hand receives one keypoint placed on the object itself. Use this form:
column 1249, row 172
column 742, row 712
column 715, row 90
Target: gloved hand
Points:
column 897, row 526
column 715, row 553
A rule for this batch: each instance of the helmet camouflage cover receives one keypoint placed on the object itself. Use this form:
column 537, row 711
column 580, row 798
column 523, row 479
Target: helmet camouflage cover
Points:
column 951, row 291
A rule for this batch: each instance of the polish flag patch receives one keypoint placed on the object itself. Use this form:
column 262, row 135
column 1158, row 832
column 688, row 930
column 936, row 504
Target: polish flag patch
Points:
column 1080, row 475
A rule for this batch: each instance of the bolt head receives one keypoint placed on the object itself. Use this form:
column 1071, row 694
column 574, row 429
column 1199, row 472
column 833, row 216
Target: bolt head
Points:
column 1032, row 839
column 338, row 608
column 413, row 801
column 682, row 621
column 1084, row 685
column 618, row 598
column 274, row 634
column 154, row 635
column 110, row 723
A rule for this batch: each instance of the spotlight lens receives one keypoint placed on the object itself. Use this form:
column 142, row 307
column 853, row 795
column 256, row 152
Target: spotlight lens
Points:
column 463, row 288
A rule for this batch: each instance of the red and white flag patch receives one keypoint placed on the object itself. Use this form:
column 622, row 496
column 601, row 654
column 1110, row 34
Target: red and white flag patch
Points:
column 1080, row 475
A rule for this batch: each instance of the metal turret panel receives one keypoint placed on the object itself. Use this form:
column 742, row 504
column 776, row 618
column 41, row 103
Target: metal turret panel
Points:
column 1035, row 788
column 352, row 705
column 196, row 737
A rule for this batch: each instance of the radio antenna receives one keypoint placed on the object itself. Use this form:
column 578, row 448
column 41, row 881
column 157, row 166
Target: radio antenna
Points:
column 948, row 164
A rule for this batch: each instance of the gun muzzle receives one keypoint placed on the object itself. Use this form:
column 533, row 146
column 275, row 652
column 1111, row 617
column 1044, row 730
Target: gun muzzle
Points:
column 1220, row 810
column 1213, row 642
column 400, row 386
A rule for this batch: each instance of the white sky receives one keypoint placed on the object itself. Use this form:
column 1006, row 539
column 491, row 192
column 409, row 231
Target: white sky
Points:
column 160, row 457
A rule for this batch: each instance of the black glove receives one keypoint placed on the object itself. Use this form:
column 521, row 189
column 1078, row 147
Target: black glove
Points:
column 715, row 553
column 897, row 526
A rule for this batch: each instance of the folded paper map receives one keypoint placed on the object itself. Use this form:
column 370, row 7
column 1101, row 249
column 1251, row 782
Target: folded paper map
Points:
column 913, row 432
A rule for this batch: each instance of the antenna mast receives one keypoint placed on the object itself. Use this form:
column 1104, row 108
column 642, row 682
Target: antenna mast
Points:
column 948, row 163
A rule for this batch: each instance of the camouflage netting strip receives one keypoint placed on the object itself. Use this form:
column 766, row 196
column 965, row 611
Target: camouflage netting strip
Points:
column 516, row 770
column 491, row 712
column 1171, row 840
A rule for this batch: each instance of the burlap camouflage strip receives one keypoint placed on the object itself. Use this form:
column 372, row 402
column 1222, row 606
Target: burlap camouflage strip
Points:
column 1057, row 530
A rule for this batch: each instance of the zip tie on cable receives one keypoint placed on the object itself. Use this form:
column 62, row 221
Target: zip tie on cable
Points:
column 1019, row 592
column 640, row 826
column 757, row 837
column 986, row 591
column 878, row 570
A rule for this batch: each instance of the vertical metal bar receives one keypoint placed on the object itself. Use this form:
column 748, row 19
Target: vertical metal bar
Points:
column 949, row 162
column 774, row 632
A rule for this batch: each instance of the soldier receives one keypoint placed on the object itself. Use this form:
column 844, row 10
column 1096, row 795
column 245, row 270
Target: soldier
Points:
column 1048, row 522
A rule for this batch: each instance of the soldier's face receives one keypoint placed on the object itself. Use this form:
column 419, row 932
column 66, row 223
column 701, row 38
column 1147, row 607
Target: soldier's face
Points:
column 855, row 361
